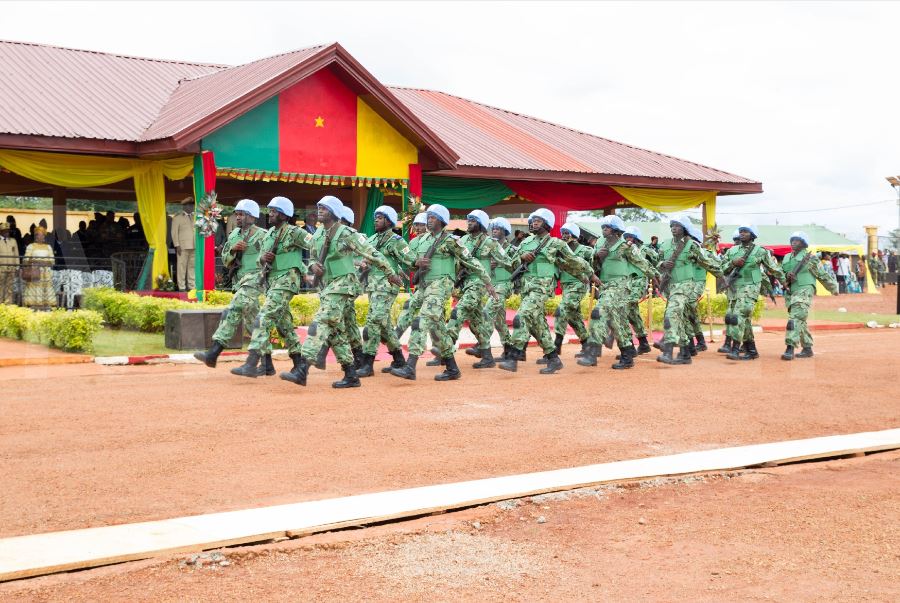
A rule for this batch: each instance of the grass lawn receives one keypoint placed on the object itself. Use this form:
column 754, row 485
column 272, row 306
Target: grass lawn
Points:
column 121, row 342
column 836, row 316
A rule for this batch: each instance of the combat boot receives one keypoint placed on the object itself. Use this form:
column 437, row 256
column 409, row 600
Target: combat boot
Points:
column 553, row 363
column 266, row 367
column 473, row 351
column 366, row 367
column 684, row 354
column 350, row 379
column 451, row 370
column 408, row 370
column 357, row 357
column 557, row 343
column 806, row 352
column 734, row 353
column 666, row 356
column 788, row 353
column 692, row 351
column 437, row 360
column 626, row 360
column 487, row 360
column 701, row 343
column 248, row 369
column 726, row 347
column 592, row 351
column 643, row 345
column 210, row 356
column 321, row 358
column 510, row 363
column 750, row 349
column 398, row 362
column 299, row 371
column 505, row 354
column 518, row 354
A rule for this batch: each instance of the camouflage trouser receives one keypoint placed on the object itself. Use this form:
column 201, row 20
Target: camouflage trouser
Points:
column 276, row 313
column 496, row 309
column 351, row 327
column 675, row 322
column 329, row 328
column 692, row 315
column 637, row 289
column 569, row 310
column 798, row 304
column 471, row 307
column 744, row 301
column 378, row 322
column 530, row 319
column 611, row 312
column 410, row 309
column 244, row 307
column 430, row 320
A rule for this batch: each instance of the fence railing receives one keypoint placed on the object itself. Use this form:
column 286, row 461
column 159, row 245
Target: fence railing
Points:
column 51, row 282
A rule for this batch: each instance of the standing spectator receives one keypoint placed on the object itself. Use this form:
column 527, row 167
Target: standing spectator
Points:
column 654, row 243
column 876, row 269
column 883, row 265
column 9, row 261
column 37, row 272
column 843, row 271
column 892, row 262
column 15, row 234
column 861, row 273
column 183, row 240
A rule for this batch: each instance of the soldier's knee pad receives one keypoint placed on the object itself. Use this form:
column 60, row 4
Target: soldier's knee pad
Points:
column 731, row 319
column 225, row 314
column 790, row 325
column 313, row 329
column 557, row 313
column 255, row 324
column 406, row 304
column 416, row 323
column 365, row 333
column 453, row 314
column 595, row 313
column 517, row 322
column 667, row 324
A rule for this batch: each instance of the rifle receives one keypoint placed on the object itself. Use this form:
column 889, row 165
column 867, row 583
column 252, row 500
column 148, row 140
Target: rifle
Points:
column 523, row 267
column 792, row 276
column 267, row 266
column 235, row 263
column 420, row 272
column 667, row 274
column 323, row 253
column 464, row 273
column 732, row 276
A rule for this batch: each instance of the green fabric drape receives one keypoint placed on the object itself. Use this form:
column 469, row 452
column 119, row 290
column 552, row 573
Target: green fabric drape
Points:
column 463, row 193
column 374, row 199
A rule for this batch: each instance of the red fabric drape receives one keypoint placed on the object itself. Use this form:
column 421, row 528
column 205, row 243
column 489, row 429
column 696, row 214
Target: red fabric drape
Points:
column 415, row 179
column 779, row 250
column 561, row 197
column 209, row 245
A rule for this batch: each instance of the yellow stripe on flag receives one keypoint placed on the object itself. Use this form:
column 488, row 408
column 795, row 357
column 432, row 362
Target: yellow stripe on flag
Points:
column 380, row 150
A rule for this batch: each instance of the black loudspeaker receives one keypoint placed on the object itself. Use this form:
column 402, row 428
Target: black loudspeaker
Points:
column 193, row 329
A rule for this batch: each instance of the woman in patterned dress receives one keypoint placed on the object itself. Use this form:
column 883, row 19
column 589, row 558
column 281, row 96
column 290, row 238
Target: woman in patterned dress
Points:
column 39, row 293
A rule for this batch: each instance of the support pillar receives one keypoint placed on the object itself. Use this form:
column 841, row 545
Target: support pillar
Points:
column 872, row 239
column 59, row 209
column 709, row 222
column 358, row 197
column 204, row 247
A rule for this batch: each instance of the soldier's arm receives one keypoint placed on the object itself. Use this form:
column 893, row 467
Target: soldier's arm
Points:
column 361, row 247
column 771, row 265
column 266, row 245
column 401, row 252
column 636, row 258
column 566, row 260
column 827, row 279
column 227, row 256
column 496, row 253
column 705, row 260
column 296, row 238
column 464, row 258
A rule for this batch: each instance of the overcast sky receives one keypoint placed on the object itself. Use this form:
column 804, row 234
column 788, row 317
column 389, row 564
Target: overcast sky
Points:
column 801, row 96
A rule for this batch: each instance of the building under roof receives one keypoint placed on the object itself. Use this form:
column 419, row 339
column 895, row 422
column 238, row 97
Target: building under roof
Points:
column 95, row 125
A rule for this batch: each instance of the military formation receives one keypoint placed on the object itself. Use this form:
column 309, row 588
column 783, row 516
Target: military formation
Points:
column 612, row 271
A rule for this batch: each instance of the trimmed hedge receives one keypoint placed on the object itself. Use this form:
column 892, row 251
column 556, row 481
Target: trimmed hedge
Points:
column 69, row 331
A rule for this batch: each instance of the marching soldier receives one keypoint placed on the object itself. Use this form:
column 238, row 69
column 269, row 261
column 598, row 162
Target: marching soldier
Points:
column 470, row 307
column 334, row 246
column 729, row 293
column 280, row 269
column 502, row 280
column 637, row 287
column 618, row 262
column 742, row 271
column 412, row 305
column 438, row 255
column 573, row 291
column 540, row 256
column 241, row 258
column 696, row 342
column 382, row 293
column 802, row 269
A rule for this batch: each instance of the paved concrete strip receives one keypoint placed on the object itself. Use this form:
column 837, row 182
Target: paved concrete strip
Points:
column 34, row 555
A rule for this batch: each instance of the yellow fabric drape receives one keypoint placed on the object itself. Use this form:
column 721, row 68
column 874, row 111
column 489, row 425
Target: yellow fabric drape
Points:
column 82, row 171
column 870, row 288
column 665, row 200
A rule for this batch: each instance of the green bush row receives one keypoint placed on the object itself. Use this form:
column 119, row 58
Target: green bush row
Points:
column 70, row 331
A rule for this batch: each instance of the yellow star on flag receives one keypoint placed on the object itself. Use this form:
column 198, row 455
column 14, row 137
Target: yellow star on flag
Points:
column 320, row 122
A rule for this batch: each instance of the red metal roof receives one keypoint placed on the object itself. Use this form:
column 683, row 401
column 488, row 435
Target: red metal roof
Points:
column 487, row 137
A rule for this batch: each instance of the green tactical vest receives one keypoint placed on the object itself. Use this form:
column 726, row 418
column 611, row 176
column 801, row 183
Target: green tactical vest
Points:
column 443, row 265
column 375, row 271
column 500, row 274
column 541, row 266
column 285, row 260
column 804, row 278
column 565, row 276
column 249, row 257
column 337, row 262
column 699, row 272
column 613, row 266
column 750, row 273
column 684, row 267
column 634, row 270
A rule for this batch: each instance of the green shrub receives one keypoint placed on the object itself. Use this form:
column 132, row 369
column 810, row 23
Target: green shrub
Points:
column 70, row 331
column 304, row 307
column 14, row 321
column 217, row 298
column 513, row 301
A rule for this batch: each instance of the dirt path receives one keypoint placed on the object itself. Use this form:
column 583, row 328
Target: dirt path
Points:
column 87, row 445
column 810, row 532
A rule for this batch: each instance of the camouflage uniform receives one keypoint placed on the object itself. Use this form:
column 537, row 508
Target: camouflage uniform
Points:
column 746, row 288
column 284, row 282
column 573, row 291
column 682, row 288
column 412, row 305
column 244, row 305
column 471, row 305
column 382, row 294
column 437, row 288
column 340, row 287
column 798, row 298
column 496, row 308
column 694, row 327
column 637, row 290
column 538, row 285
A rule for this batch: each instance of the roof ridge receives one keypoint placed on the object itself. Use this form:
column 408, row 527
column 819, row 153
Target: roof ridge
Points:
column 569, row 128
column 228, row 67
column 113, row 54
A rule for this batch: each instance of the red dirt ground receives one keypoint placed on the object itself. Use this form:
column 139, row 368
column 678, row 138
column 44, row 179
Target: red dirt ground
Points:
column 811, row 532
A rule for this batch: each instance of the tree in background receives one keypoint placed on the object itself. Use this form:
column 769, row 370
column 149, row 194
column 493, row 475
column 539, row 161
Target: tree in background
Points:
column 629, row 214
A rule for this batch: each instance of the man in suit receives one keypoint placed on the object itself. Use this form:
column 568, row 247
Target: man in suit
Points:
column 183, row 240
